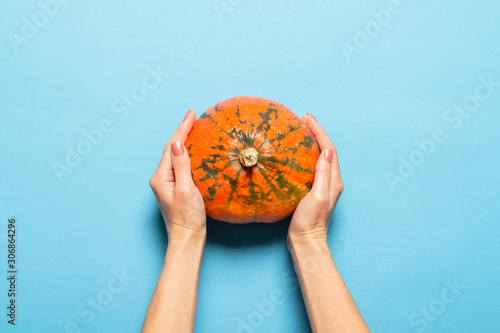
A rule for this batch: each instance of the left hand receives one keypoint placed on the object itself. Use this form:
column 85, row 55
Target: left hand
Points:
column 180, row 202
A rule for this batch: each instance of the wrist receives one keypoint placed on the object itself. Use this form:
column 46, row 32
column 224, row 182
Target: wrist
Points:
column 308, row 248
column 184, row 253
column 295, row 241
column 311, row 237
column 309, row 254
column 191, row 245
column 186, row 236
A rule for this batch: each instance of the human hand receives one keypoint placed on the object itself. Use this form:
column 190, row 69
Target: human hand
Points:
column 312, row 217
column 180, row 202
column 330, row 306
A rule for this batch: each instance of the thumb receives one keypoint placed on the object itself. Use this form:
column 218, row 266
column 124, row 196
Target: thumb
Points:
column 323, row 174
column 181, row 165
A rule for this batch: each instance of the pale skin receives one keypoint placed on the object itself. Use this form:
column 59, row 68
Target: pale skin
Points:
column 330, row 306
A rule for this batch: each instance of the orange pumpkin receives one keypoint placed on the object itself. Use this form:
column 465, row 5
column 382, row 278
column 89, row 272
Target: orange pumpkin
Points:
column 252, row 160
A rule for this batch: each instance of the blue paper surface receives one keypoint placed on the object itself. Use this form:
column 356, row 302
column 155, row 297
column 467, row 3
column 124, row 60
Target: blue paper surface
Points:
column 408, row 91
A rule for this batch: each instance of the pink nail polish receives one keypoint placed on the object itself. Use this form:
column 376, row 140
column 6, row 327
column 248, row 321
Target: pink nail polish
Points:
column 329, row 155
column 314, row 117
column 177, row 148
column 186, row 116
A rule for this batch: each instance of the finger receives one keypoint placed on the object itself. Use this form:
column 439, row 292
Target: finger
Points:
column 321, row 185
column 181, row 165
column 324, row 142
column 304, row 118
column 337, row 185
column 319, row 133
column 335, row 167
column 180, row 135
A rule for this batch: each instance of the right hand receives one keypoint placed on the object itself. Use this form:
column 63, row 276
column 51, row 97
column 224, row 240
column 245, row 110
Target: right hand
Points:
column 312, row 217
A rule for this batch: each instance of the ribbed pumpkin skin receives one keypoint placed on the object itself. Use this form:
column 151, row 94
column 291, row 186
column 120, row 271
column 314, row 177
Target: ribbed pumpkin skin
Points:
column 284, row 173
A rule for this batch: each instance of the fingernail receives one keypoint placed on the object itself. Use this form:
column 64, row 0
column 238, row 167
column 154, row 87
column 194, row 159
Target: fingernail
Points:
column 329, row 155
column 177, row 148
column 186, row 116
column 314, row 117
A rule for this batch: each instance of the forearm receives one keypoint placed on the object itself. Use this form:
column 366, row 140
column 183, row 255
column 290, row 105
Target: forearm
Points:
column 329, row 304
column 173, row 305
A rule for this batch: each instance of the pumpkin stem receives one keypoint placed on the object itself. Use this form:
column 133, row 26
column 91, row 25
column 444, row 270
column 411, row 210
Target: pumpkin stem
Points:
column 249, row 157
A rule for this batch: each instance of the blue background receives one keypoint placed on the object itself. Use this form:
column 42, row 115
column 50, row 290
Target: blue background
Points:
column 397, row 248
